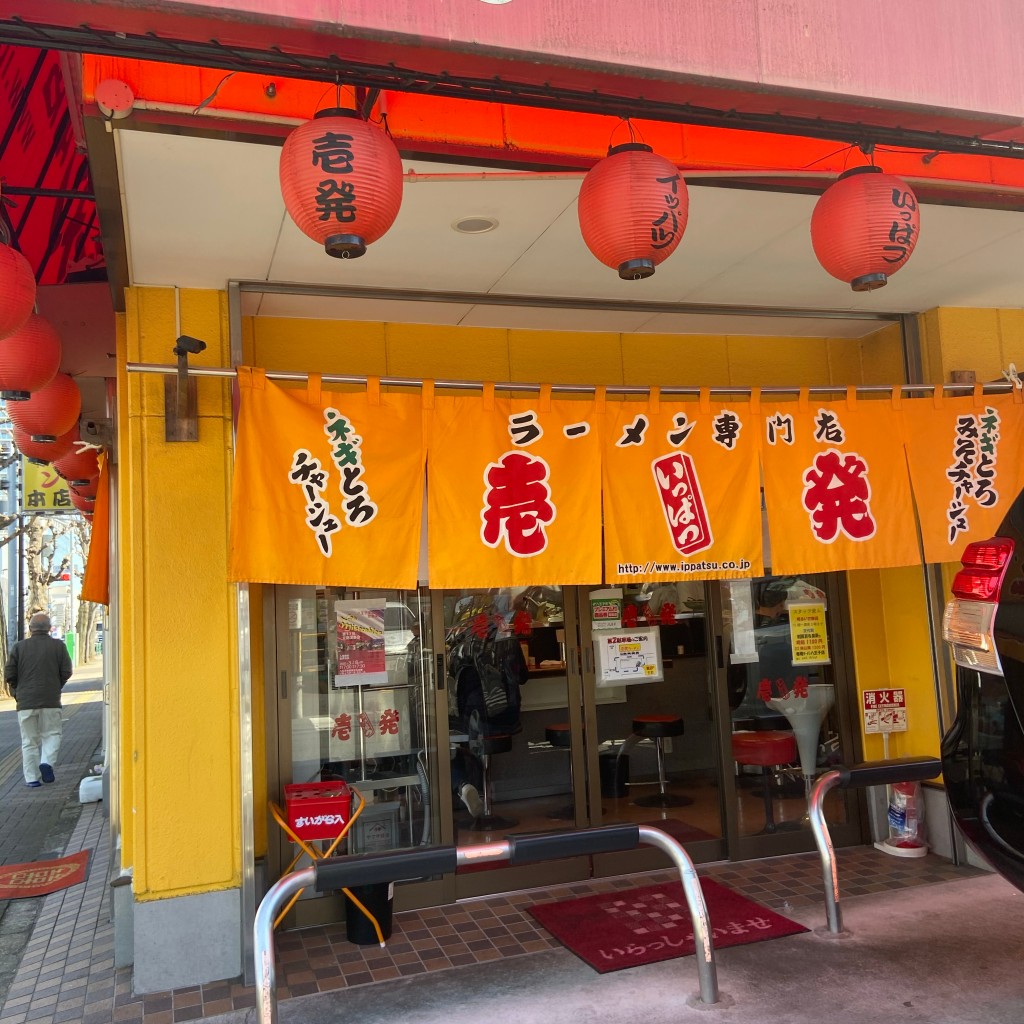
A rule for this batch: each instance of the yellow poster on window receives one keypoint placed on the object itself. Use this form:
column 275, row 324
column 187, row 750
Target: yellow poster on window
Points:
column 836, row 486
column 514, row 491
column 808, row 635
column 328, row 486
column 966, row 458
column 681, row 491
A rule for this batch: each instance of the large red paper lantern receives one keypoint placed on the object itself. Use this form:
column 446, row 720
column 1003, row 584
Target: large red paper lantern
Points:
column 45, row 451
column 29, row 358
column 79, row 467
column 341, row 179
column 82, row 504
column 50, row 411
column 632, row 208
column 865, row 226
column 17, row 290
column 87, row 491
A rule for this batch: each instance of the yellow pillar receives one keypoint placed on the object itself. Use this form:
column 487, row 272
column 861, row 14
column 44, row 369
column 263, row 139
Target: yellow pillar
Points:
column 180, row 780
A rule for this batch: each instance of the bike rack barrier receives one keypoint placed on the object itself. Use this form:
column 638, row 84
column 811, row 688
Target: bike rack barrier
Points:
column 369, row 868
column 870, row 773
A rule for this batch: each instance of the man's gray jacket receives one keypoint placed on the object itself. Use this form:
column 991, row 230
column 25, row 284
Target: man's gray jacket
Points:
column 37, row 670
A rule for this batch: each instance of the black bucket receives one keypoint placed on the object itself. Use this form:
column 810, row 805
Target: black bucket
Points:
column 378, row 900
column 614, row 769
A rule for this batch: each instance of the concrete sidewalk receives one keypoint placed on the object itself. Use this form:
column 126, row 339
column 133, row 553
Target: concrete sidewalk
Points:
column 938, row 954
column 37, row 823
column 929, row 943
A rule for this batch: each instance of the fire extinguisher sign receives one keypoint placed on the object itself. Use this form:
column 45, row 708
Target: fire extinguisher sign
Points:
column 885, row 711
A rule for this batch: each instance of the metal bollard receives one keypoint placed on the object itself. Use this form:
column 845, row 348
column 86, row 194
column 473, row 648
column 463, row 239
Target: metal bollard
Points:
column 870, row 773
column 517, row 850
column 815, row 811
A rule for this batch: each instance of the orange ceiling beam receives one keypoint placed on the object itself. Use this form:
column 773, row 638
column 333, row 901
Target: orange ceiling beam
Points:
column 485, row 132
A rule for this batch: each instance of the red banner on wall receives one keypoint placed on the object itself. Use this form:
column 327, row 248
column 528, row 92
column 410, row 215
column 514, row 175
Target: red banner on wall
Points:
column 836, row 486
column 681, row 491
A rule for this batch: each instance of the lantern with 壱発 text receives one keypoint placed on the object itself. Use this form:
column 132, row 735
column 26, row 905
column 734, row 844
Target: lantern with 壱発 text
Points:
column 341, row 179
column 864, row 227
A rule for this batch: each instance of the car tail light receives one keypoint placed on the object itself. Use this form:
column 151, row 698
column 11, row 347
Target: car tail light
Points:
column 968, row 623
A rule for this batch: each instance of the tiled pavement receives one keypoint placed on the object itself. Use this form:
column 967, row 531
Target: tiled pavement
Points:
column 37, row 823
column 67, row 973
column 66, row 970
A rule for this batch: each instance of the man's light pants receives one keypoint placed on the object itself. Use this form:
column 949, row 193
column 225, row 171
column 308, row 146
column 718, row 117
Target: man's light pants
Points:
column 40, row 739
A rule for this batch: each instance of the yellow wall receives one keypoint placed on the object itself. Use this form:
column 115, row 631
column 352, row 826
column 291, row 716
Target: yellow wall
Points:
column 181, row 779
column 891, row 646
column 179, row 654
column 560, row 357
column 983, row 340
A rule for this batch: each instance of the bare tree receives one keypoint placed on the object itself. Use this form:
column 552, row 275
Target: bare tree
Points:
column 87, row 613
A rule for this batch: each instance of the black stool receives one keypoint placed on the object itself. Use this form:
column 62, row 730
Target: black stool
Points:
column 488, row 822
column 657, row 727
column 559, row 735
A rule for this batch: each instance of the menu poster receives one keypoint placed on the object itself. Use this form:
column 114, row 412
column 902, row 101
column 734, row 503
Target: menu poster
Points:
column 361, row 657
column 808, row 633
column 626, row 657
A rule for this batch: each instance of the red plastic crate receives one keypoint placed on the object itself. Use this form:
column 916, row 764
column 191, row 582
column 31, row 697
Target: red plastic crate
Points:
column 317, row 810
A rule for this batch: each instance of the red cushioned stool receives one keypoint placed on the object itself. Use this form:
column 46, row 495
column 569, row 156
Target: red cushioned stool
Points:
column 657, row 728
column 768, row 749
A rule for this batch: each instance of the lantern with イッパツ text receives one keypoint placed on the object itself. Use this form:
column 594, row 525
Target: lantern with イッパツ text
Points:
column 632, row 208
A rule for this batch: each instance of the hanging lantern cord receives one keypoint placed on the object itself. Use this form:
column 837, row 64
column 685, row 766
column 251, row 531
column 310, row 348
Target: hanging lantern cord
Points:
column 868, row 149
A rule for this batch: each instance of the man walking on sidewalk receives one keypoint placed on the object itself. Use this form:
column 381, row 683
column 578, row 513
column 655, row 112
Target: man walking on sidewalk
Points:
column 36, row 672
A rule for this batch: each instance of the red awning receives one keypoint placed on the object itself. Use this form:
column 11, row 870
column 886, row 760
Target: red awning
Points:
column 45, row 189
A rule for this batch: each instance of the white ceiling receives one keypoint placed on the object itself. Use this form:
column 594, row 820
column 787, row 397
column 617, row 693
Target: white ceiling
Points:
column 200, row 212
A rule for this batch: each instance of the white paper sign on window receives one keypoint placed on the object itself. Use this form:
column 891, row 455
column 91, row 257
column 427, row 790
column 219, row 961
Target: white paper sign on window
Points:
column 629, row 656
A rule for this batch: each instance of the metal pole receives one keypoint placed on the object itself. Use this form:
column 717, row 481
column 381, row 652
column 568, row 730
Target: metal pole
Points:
column 823, row 840
column 577, row 389
column 705, row 952
column 263, row 941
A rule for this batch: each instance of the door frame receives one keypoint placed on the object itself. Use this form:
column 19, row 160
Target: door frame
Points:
column 849, row 833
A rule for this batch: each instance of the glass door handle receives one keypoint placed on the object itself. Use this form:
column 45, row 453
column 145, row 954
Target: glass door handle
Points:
column 439, row 675
column 718, row 652
column 588, row 659
column 284, row 684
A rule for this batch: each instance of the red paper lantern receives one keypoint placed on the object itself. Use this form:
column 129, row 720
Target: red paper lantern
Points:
column 865, row 226
column 88, row 490
column 17, row 290
column 45, row 451
column 29, row 359
column 341, row 179
column 79, row 467
column 82, row 504
column 50, row 411
column 632, row 208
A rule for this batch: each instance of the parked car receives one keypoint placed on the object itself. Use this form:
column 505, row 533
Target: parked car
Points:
column 983, row 751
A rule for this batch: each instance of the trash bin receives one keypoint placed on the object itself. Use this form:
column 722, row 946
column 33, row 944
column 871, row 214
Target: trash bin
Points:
column 378, row 900
column 614, row 770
